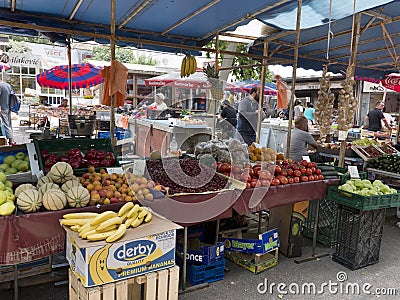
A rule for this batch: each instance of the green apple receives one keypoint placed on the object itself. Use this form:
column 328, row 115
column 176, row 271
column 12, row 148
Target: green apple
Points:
column 9, row 159
column 4, row 167
column 26, row 158
column 20, row 155
column 23, row 166
column 3, row 197
column 10, row 196
column 8, row 183
column 2, row 186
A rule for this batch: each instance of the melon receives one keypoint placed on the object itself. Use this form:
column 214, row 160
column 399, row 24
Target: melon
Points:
column 23, row 187
column 54, row 199
column 69, row 184
column 61, row 172
column 29, row 201
column 48, row 186
column 78, row 196
column 43, row 180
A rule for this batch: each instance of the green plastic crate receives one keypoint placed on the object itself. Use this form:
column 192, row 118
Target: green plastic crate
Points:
column 363, row 202
column 62, row 146
column 326, row 234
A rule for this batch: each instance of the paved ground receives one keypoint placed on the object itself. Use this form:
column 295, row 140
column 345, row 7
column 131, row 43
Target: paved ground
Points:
column 241, row 284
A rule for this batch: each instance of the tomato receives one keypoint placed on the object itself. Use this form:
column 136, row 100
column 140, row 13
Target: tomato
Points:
column 216, row 165
column 309, row 165
column 304, row 178
column 309, row 171
column 290, row 172
column 311, row 178
column 318, row 171
column 245, row 176
column 313, row 169
column 248, row 185
column 264, row 174
column 283, row 180
column 296, row 162
column 285, row 162
column 284, row 172
column 296, row 179
column 303, row 170
column 295, row 167
column 251, row 172
column 297, row 173
column 304, row 163
column 253, row 183
column 291, row 180
column 321, row 177
column 278, row 170
column 236, row 170
column 313, row 164
column 275, row 181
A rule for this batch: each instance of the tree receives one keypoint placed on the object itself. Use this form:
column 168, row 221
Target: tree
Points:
column 124, row 55
column 17, row 47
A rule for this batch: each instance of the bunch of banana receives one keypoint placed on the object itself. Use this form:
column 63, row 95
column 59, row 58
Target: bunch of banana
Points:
column 189, row 65
column 109, row 225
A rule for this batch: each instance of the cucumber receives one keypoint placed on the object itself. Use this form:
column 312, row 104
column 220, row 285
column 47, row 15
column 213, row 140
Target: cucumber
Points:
column 330, row 173
column 326, row 168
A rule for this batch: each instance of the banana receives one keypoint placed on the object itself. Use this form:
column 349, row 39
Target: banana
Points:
column 84, row 227
column 112, row 227
column 128, row 222
column 103, row 217
column 110, row 222
column 86, row 230
column 100, row 236
column 82, row 215
column 118, row 234
column 75, row 228
column 136, row 222
column 192, row 64
column 87, row 233
column 183, row 67
column 148, row 218
column 187, row 66
column 72, row 222
column 125, row 208
column 133, row 211
column 143, row 213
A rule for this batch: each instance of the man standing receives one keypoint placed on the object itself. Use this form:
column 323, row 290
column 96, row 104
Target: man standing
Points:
column 300, row 139
column 374, row 118
column 5, row 114
column 248, row 116
column 229, row 116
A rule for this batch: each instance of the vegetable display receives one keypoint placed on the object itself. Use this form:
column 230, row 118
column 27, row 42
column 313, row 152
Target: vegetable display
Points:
column 386, row 162
column 366, row 188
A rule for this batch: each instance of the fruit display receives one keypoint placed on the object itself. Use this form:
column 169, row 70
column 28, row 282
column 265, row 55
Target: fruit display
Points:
column 387, row 148
column 286, row 173
column 109, row 225
column 77, row 159
column 257, row 154
column 234, row 152
column 368, row 152
column 13, row 164
column 105, row 188
column 366, row 188
column 364, row 142
column 7, row 196
column 188, row 66
column 324, row 106
column 185, row 175
column 386, row 162
column 347, row 105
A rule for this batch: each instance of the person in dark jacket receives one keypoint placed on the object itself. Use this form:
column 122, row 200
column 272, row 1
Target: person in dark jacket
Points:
column 5, row 112
column 248, row 116
column 374, row 118
column 229, row 116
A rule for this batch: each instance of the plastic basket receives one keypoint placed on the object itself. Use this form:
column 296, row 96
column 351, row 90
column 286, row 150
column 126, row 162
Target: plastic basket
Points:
column 198, row 274
column 363, row 202
column 62, row 146
column 359, row 235
column 326, row 233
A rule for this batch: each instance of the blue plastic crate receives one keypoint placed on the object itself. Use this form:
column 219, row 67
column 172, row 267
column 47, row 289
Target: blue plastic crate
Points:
column 119, row 133
column 205, row 273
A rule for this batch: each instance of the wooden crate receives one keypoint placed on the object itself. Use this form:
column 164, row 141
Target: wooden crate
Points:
column 158, row 285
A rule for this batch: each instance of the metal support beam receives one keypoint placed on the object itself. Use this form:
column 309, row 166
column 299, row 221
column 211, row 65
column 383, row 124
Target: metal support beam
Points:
column 77, row 5
column 134, row 13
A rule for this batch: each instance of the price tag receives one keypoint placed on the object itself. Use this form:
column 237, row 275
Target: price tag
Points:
column 137, row 167
column 306, row 158
column 116, row 170
column 342, row 135
column 353, row 172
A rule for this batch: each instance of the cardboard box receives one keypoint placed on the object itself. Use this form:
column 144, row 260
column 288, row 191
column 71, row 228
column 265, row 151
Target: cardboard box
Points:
column 147, row 248
column 289, row 221
column 199, row 253
column 252, row 242
column 255, row 263
column 32, row 268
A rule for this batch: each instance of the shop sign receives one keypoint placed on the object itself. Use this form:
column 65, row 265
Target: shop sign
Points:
column 370, row 87
column 23, row 59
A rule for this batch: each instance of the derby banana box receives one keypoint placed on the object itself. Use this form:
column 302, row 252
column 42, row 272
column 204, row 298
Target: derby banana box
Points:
column 147, row 248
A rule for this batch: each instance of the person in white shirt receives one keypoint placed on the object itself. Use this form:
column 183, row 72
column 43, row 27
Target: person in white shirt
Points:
column 159, row 103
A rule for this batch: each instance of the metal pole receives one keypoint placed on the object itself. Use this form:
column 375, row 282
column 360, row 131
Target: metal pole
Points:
column 296, row 56
column 185, row 237
column 261, row 99
column 214, row 101
column 69, row 73
column 112, row 48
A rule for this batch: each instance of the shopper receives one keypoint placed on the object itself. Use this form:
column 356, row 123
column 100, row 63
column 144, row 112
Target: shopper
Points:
column 300, row 139
column 64, row 103
column 374, row 118
column 5, row 114
column 298, row 109
column 248, row 116
column 159, row 103
column 309, row 112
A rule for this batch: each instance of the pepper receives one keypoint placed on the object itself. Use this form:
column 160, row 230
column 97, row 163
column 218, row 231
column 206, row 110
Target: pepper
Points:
column 74, row 153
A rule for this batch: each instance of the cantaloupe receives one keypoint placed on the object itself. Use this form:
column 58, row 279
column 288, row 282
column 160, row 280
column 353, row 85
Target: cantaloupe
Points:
column 29, row 201
column 23, row 187
column 78, row 196
column 69, row 184
column 43, row 180
column 61, row 172
column 54, row 199
column 48, row 186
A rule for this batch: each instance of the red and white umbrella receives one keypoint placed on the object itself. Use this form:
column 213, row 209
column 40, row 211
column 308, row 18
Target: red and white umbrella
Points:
column 392, row 82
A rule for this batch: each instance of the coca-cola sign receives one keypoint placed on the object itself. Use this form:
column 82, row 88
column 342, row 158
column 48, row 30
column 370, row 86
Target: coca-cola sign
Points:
column 392, row 80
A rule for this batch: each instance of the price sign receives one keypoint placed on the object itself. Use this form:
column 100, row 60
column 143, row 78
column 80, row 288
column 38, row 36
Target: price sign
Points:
column 353, row 172
column 342, row 135
column 306, row 158
column 116, row 170
column 137, row 167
